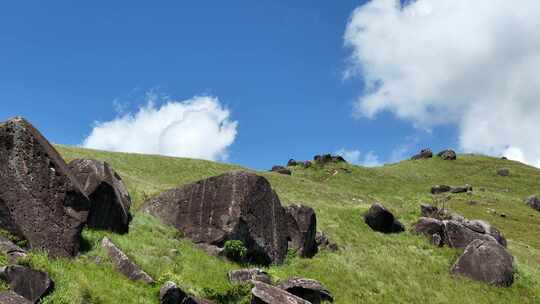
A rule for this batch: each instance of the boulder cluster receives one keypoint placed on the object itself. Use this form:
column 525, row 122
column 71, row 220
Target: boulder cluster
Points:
column 447, row 154
column 239, row 206
column 321, row 160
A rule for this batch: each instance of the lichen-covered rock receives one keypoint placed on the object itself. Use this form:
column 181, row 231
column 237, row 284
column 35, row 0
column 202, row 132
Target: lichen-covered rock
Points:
column 457, row 235
column 266, row 294
column 31, row 284
column 10, row 297
column 302, row 229
column 110, row 201
column 382, row 220
column 486, row 261
column 40, row 200
column 123, row 264
column 307, row 289
column 234, row 206
column 249, row 275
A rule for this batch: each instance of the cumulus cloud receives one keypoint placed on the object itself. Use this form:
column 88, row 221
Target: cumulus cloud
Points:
column 370, row 159
column 198, row 128
column 474, row 64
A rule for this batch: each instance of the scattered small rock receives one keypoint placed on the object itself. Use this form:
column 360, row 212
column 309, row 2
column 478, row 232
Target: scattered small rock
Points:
column 110, row 201
column 503, row 172
column 123, row 264
column 31, row 284
column 307, row 289
column 486, row 261
column 263, row 293
column 10, row 297
column 447, row 154
column 382, row 220
column 323, row 242
column 302, row 229
column 281, row 170
column 249, row 275
column 424, row 154
column 472, row 203
column 463, row 189
column 533, row 202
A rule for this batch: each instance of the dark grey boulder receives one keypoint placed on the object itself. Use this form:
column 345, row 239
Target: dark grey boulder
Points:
column 11, row 251
column 40, row 200
column 249, row 275
column 263, row 293
column 533, row 202
column 234, row 206
column 281, row 170
column 438, row 189
column 457, row 235
column 10, row 297
column 292, row 163
column 123, row 264
column 462, row 189
column 302, row 229
column 503, row 172
column 382, row 220
column 447, row 154
column 306, row 164
column 424, row 154
column 431, row 228
column 110, row 201
column 324, row 242
column 307, row 289
column 169, row 293
column 486, row 261
column 31, row 284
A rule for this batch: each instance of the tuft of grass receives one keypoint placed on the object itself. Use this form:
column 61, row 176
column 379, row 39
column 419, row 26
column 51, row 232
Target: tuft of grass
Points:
column 370, row 267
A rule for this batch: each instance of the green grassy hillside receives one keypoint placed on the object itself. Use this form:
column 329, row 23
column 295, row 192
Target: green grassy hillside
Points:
column 370, row 267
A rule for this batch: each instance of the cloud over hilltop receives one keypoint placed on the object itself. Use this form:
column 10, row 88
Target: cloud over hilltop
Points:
column 474, row 64
column 199, row 127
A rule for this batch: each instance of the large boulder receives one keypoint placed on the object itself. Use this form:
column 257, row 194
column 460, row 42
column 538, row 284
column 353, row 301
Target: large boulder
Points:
column 110, row 201
column 302, row 229
column 281, row 170
column 533, row 202
column 424, row 154
column 431, row 228
column 457, row 235
column 263, row 293
column 234, row 206
column 486, row 261
column 40, row 200
column 447, row 154
column 123, row 264
column 382, row 220
column 10, row 297
column 249, row 275
column 307, row 289
column 32, row 284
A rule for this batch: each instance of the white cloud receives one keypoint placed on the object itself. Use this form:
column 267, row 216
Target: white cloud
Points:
column 198, row 128
column 470, row 63
column 370, row 159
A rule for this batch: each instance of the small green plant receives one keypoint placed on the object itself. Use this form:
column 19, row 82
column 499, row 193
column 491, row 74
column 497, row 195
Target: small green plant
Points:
column 235, row 250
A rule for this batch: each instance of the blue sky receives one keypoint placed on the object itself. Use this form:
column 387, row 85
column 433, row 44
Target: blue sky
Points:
column 276, row 66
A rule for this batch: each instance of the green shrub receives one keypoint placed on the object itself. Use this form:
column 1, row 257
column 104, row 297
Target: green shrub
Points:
column 235, row 250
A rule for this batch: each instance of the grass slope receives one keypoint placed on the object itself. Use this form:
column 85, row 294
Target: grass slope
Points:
column 369, row 267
